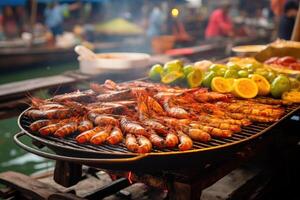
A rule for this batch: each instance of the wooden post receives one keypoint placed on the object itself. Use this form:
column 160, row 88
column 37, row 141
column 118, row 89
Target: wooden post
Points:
column 296, row 30
column 33, row 19
column 66, row 173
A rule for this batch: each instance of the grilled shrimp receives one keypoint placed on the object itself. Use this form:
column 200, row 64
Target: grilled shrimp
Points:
column 171, row 140
column 66, row 129
column 210, row 96
column 186, row 142
column 255, row 109
column 254, row 118
column 106, row 120
column 145, row 145
column 225, row 126
column 176, row 112
column 215, row 132
column 262, row 118
column 78, row 96
column 85, row 125
column 101, row 136
column 155, row 125
column 270, row 101
column 131, row 143
column 92, row 116
column 57, row 113
column 116, row 96
column 211, row 119
column 50, row 129
column 198, row 135
column 115, row 137
column 35, row 114
column 173, row 122
column 154, row 106
column 156, row 140
column 87, row 135
column 132, row 127
column 40, row 123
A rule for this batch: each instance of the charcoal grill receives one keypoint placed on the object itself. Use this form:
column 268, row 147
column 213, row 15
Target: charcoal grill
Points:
column 118, row 157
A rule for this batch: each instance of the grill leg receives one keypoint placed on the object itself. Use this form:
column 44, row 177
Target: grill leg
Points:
column 184, row 191
column 67, row 173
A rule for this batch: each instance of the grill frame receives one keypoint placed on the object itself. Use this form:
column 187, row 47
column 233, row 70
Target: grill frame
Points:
column 66, row 147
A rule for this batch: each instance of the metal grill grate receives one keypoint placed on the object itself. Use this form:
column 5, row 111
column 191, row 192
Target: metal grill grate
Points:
column 247, row 133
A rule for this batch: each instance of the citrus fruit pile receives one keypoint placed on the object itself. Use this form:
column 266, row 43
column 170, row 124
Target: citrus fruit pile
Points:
column 247, row 78
column 174, row 72
column 243, row 77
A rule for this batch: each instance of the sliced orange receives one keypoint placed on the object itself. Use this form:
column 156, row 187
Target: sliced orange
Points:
column 221, row 85
column 245, row 88
column 262, row 83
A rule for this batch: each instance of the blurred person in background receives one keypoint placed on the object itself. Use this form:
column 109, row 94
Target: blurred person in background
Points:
column 2, row 36
column 220, row 24
column 287, row 20
column 9, row 23
column 175, row 26
column 277, row 7
column 54, row 16
column 22, row 19
column 155, row 21
column 277, row 10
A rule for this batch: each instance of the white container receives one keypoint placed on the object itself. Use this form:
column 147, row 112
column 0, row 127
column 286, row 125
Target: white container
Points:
column 109, row 62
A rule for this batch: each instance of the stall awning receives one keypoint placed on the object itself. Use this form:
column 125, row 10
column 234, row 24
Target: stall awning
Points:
column 67, row 1
column 12, row 2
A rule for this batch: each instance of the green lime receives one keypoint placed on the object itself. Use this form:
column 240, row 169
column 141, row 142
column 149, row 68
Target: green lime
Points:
column 172, row 77
column 250, row 71
column 221, row 72
column 261, row 71
column 280, row 85
column 295, row 84
column 156, row 72
column 194, row 79
column 172, row 66
column 216, row 67
column 188, row 69
column 233, row 66
column 271, row 76
column 208, row 78
column 251, row 66
column 230, row 73
column 243, row 73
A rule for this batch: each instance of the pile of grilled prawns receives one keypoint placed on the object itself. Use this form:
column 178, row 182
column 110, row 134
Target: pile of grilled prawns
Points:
column 141, row 115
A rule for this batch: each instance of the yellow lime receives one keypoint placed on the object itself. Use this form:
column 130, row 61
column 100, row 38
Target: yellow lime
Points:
column 243, row 73
column 188, row 69
column 221, row 72
column 194, row 79
column 262, row 83
column 295, row 84
column 208, row 78
column 293, row 96
column 177, row 61
column 230, row 73
column 217, row 67
column 233, row 66
column 221, row 85
column 155, row 72
column 245, row 88
column 171, row 66
column 271, row 76
column 172, row 77
column 231, row 82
